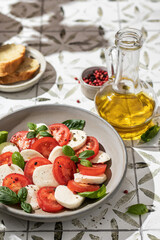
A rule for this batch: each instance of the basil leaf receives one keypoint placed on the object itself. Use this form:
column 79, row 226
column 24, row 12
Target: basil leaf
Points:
column 150, row 133
column 3, row 136
column 138, row 209
column 7, row 196
column 26, row 207
column 42, row 128
column 32, row 126
column 74, row 158
column 75, row 124
column 31, row 134
column 86, row 154
column 18, row 160
column 85, row 163
column 68, row 151
column 45, row 134
column 101, row 192
column 22, row 194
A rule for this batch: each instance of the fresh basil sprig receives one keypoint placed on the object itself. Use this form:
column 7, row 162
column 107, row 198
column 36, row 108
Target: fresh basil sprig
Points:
column 22, row 194
column 26, row 207
column 100, row 193
column 42, row 131
column 18, row 160
column 150, row 133
column 75, row 124
column 8, row 197
column 86, row 154
column 32, row 126
column 85, row 163
column 138, row 209
column 68, row 151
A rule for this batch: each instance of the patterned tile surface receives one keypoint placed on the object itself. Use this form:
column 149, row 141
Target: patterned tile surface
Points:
column 73, row 35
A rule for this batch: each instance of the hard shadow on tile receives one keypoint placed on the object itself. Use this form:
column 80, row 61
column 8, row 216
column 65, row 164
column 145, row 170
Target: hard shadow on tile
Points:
column 31, row 93
column 9, row 28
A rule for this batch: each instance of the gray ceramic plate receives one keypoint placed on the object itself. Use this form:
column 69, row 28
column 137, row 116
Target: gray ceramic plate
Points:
column 23, row 85
column 95, row 126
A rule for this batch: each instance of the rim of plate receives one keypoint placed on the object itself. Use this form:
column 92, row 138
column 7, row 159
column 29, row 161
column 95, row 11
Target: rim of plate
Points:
column 70, row 215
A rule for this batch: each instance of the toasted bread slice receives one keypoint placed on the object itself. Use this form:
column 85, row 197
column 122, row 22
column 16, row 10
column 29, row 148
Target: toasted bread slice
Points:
column 11, row 56
column 25, row 71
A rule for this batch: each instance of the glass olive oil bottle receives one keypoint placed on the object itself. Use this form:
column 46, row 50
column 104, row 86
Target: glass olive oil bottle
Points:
column 127, row 103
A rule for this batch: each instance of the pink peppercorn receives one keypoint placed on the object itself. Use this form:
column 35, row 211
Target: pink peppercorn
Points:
column 78, row 101
column 97, row 78
column 9, row 164
column 125, row 191
column 16, row 179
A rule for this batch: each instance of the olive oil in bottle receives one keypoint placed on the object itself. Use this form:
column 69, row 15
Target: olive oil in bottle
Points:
column 126, row 112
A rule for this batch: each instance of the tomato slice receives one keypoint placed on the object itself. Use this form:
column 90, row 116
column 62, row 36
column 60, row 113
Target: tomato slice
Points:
column 63, row 169
column 81, row 187
column 15, row 181
column 21, row 141
column 6, row 158
column 32, row 164
column 95, row 170
column 45, row 145
column 91, row 144
column 60, row 132
column 47, row 201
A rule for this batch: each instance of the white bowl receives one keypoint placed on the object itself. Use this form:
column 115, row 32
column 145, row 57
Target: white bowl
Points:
column 105, row 134
column 88, row 90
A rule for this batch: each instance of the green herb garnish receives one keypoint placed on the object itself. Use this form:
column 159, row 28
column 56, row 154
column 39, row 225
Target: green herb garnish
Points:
column 138, row 209
column 85, row 163
column 18, row 160
column 22, row 194
column 100, row 193
column 3, row 136
column 150, row 133
column 75, row 124
column 42, row 131
column 68, row 151
column 8, row 197
column 86, row 154
column 26, row 207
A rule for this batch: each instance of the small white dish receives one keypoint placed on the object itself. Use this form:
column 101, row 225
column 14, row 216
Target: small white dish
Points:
column 88, row 90
column 23, row 85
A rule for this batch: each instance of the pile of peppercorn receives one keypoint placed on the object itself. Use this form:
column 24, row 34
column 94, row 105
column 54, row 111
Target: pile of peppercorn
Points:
column 97, row 78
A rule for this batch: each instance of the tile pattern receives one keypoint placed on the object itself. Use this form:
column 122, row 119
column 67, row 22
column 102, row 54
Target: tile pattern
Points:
column 73, row 35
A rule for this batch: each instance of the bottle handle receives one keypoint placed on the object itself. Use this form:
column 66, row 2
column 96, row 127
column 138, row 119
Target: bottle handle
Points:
column 109, row 61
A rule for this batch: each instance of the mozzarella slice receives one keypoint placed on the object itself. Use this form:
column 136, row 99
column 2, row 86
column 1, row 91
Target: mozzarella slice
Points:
column 101, row 157
column 6, row 170
column 78, row 139
column 8, row 147
column 32, row 196
column 67, row 198
column 27, row 154
column 78, row 177
column 56, row 152
column 43, row 176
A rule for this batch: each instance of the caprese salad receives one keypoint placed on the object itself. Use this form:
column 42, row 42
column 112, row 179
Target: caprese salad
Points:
column 51, row 167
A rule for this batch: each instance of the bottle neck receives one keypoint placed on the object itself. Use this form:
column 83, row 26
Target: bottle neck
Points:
column 127, row 68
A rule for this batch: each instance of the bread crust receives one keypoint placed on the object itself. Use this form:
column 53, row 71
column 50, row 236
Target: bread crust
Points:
column 8, row 67
column 20, row 75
